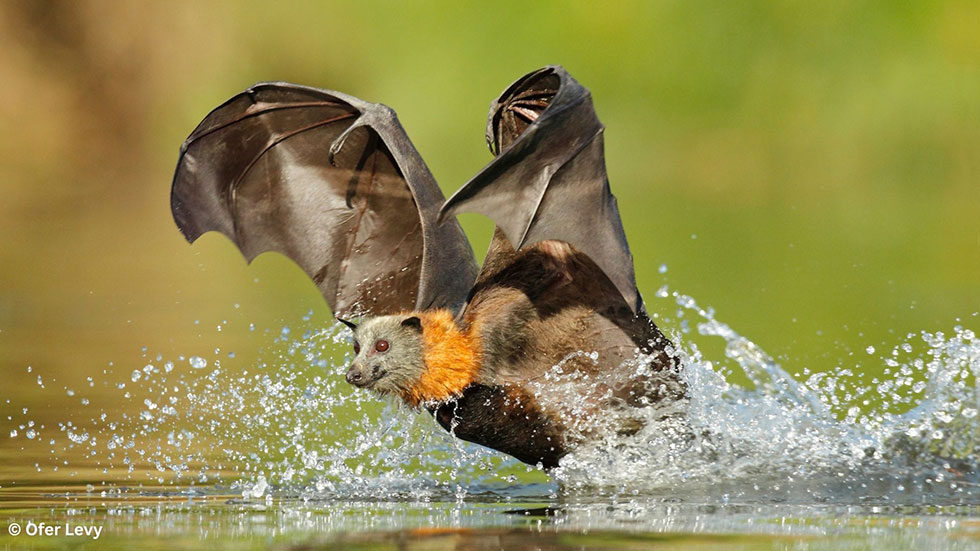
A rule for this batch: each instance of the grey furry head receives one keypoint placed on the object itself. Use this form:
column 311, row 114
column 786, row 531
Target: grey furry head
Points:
column 388, row 353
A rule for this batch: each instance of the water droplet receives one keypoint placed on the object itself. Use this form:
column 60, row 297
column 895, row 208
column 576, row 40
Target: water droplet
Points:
column 870, row 350
column 258, row 490
column 198, row 362
column 30, row 434
column 13, row 433
column 137, row 375
column 663, row 268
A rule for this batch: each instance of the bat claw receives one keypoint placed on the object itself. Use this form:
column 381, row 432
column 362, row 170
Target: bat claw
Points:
column 374, row 116
column 338, row 144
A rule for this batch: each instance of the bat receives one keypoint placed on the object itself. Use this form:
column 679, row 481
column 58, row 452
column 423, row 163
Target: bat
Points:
column 546, row 346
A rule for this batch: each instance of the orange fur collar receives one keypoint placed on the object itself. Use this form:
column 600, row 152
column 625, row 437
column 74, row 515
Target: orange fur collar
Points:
column 452, row 359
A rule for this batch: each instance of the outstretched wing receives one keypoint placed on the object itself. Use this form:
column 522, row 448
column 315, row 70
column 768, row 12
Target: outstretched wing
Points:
column 548, row 180
column 332, row 182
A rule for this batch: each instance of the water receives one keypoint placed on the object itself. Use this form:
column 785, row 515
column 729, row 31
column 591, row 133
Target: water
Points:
column 909, row 437
column 210, row 447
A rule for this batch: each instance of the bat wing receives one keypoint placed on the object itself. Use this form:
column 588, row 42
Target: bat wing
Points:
column 333, row 183
column 548, row 180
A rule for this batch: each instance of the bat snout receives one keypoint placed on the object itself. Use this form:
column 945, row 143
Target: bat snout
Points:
column 364, row 376
column 356, row 376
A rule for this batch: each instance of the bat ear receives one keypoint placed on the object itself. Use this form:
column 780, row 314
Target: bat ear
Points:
column 413, row 322
column 352, row 325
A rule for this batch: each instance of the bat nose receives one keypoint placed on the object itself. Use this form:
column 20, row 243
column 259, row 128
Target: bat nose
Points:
column 354, row 376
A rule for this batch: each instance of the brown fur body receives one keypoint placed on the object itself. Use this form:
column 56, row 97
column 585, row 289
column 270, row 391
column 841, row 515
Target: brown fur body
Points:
column 544, row 306
column 544, row 354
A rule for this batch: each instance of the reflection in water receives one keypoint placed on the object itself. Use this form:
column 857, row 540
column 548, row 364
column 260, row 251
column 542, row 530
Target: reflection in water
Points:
column 203, row 521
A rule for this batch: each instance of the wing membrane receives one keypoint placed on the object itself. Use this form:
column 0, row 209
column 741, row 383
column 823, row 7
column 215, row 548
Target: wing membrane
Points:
column 333, row 183
column 548, row 180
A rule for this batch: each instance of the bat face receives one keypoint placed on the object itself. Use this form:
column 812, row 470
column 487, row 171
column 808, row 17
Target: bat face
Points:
column 387, row 354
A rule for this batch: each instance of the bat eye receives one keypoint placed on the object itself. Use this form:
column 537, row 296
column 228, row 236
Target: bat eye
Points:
column 381, row 346
column 357, row 347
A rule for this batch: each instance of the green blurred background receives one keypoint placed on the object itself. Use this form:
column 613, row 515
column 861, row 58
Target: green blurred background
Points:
column 810, row 170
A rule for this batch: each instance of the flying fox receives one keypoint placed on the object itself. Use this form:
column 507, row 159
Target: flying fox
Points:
column 546, row 346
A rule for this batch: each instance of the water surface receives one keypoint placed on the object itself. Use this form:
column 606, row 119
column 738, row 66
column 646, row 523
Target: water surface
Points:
column 273, row 449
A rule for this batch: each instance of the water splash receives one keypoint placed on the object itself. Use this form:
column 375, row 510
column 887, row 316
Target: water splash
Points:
column 286, row 425
column 911, row 437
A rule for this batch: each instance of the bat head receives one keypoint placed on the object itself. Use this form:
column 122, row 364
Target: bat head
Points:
column 387, row 353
